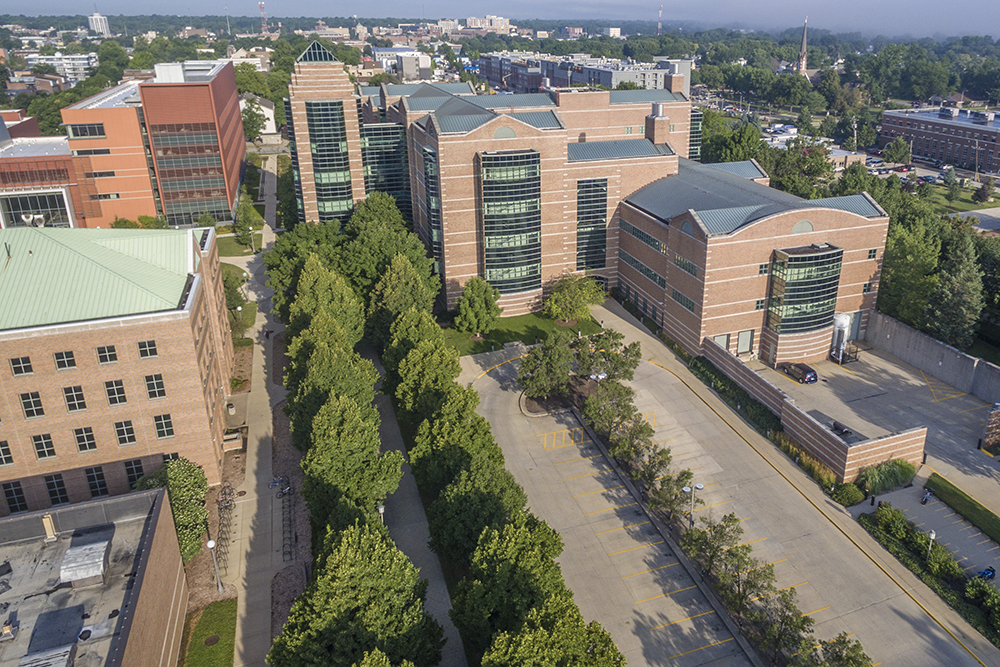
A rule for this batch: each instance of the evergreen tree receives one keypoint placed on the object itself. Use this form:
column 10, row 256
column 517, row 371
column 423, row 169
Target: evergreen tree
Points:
column 985, row 192
column 409, row 328
column 897, row 151
column 426, row 377
column 337, row 619
column 399, row 290
column 546, row 369
column 908, row 273
column 478, row 311
column 956, row 303
column 344, row 460
column 320, row 288
column 287, row 257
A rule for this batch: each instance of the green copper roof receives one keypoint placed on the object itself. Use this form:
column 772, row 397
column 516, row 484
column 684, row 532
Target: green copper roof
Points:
column 615, row 150
column 54, row 276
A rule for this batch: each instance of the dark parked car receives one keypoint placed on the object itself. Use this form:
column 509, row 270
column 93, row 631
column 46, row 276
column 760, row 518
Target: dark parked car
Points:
column 804, row 374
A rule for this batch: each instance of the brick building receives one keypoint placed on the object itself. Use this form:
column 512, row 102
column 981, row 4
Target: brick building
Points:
column 100, row 583
column 116, row 354
column 948, row 135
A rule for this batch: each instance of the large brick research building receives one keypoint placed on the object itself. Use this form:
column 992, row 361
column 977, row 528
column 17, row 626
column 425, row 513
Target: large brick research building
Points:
column 522, row 188
column 116, row 355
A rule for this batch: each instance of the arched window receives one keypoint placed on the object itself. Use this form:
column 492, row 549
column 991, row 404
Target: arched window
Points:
column 802, row 227
column 504, row 133
column 687, row 228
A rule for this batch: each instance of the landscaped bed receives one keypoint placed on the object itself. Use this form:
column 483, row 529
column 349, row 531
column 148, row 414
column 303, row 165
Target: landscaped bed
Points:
column 529, row 329
column 966, row 506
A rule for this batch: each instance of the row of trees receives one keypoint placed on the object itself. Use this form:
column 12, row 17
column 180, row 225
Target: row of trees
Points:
column 365, row 603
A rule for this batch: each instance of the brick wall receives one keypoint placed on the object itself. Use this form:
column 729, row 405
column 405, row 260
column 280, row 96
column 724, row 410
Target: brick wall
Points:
column 749, row 380
column 907, row 445
column 815, row 438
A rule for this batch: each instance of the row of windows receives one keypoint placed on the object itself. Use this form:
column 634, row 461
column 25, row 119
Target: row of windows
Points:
column 85, row 441
column 100, row 174
column 107, row 354
column 642, row 268
column 686, row 265
column 648, row 239
column 683, row 300
column 85, row 130
column 56, row 486
column 31, row 401
column 92, row 151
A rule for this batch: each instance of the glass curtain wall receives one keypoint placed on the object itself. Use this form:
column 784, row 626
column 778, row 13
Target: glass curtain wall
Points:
column 512, row 220
column 387, row 168
column 803, row 288
column 694, row 137
column 189, row 166
column 432, row 206
column 330, row 160
column 591, row 223
column 293, row 149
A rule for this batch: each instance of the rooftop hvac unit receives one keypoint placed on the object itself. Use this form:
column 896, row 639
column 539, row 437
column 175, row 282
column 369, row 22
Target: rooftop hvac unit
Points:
column 85, row 564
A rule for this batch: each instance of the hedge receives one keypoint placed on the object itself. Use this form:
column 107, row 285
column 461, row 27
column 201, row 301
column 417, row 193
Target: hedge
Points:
column 755, row 412
column 966, row 506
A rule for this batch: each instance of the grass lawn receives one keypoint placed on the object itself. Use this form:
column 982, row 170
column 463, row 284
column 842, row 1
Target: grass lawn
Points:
column 260, row 210
column 233, row 269
column 228, row 247
column 966, row 506
column 528, row 329
column 252, row 181
column 962, row 204
column 217, row 620
column 248, row 315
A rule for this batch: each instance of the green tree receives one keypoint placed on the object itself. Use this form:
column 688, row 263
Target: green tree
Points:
column 206, row 219
column 909, row 272
column 426, row 376
column 897, row 151
column 401, row 288
column 610, row 409
column 253, row 119
column 780, row 625
column 336, row 620
column 628, row 85
column 344, row 460
column 985, row 192
column 232, row 287
column 841, row 651
column 250, row 80
column 546, row 369
column 606, row 352
column 804, row 121
column 956, row 303
column 409, row 328
column 572, row 296
column 950, row 177
column 668, row 493
column 448, row 443
column 478, row 311
column 186, row 487
column 320, row 288
column 554, row 634
column 113, row 59
column 245, row 217
column 378, row 659
column 801, row 168
column 743, row 578
column 743, row 144
column 43, row 69
column 285, row 261
column 483, row 495
column 513, row 571
column 153, row 222
column 953, row 191
column 708, row 543
column 323, row 328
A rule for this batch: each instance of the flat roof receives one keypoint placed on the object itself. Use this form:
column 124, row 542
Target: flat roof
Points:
column 59, row 275
column 35, row 147
column 125, row 94
column 964, row 118
column 51, row 616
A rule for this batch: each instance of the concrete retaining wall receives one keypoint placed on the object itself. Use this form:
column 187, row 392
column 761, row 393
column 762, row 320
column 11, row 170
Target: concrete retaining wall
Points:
column 986, row 383
column 748, row 379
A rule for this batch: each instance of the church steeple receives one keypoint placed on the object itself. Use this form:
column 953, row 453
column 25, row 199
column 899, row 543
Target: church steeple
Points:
column 801, row 65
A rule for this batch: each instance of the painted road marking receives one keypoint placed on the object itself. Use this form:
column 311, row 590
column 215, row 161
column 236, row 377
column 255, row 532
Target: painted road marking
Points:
column 641, row 546
column 705, row 507
column 590, row 493
column 942, row 387
column 609, row 509
column 704, row 613
column 816, row 611
column 557, row 439
column 663, row 595
column 631, row 525
column 582, row 458
column 590, row 474
column 652, row 569
column 721, row 641
column 979, row 407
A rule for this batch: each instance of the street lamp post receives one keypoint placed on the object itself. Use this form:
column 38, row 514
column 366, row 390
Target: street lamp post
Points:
column 381, row 513
column 690, row 491
column 252, row 249
column 930, row 544
column 215, row 562
column 246, row 278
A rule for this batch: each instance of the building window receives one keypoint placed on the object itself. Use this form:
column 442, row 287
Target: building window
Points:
column 164, row 426
column 101, row 174
column 803, row 288
column 866, row 288
column 95, row 480
column 125, row 432
column 86, row 130
column 57, row 489
column 628, row 130
column 21, row 366
column 133, row 471
column 147, row 348
column 155, row 387
column 65, row 360
column 591, row 223
column 107, row 195
column 44, row 449
column 872, row 254
column 85, row 441
column 763, row 269
column 115, row 390
column 686, row 265
column 14, row 494
column 760, row 305
column 683, row 300
column 74, row 398
column 648, row 239
column 31, row 403
column 642, row 268
column 92, row 151
column 173, row 456
column 107, row 354
column 5, row 456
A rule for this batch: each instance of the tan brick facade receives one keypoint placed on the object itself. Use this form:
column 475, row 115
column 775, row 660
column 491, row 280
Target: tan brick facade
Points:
column 193, row 361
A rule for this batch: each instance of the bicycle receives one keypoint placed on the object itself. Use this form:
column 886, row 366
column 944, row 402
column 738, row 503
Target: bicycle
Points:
column 287, row 491
column 277, row 482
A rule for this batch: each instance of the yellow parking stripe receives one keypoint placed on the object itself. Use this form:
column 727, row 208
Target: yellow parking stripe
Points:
column 582, row 458
column 816, row 611
column 722, row 641
column 609, row 509
column 704, row 613
column 705, row 507
column 641, row 546
column 652, row 569
column 590, row 493
column 663, row 595
column 631, row 525
column 589, row 474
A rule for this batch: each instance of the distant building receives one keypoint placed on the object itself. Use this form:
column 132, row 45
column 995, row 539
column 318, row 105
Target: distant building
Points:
column 612, row 32
column 26, row 82
column 188, row 31
column 19, row 124
column 100, row 583
column 116, row 354
column 802, row 64
column 266, row 108
column 489, row 24
column 950, row 135
column 414, row 66
column 75, row 67
column 99, row 24
column 542, row 34
column 573, row 32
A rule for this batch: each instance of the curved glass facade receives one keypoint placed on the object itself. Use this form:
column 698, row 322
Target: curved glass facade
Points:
column 511, row 205
column 330, row 161
column 803, row 288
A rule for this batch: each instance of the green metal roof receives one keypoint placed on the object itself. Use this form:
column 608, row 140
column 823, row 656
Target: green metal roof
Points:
column 615, row 150
column 645, row 96
column 457, row 115
column 406, row 89
column 55, row 276
column 515, row 101
column 744, row 169
column 860, row 204
column 543, row 120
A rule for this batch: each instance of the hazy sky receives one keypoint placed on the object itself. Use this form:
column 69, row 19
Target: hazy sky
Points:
column 889, row 17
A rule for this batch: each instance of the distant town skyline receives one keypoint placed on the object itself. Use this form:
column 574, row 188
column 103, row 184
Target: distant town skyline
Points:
column 917, row 18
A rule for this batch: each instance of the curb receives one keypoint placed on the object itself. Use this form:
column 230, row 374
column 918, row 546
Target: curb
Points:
column 521, row 404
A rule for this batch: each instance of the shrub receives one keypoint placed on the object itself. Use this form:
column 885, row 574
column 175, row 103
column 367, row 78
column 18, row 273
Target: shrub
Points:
column 886, row 476
column 809, row 463
column 848, row 494
column 965, row 505
column 186, row 488
column 892, row 521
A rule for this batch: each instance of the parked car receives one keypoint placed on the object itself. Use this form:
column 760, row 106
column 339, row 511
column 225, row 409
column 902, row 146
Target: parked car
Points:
column 801, row 372
column 884, row 170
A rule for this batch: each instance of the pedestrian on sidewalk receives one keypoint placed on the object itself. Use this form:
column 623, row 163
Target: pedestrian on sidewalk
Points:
column 267, row 334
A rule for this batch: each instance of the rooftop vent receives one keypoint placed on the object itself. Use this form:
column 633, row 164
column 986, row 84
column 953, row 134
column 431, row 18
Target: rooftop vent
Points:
column 63, row 656
column 85, row 564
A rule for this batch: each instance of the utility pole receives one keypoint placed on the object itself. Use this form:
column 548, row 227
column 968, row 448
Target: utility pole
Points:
column 659, row 22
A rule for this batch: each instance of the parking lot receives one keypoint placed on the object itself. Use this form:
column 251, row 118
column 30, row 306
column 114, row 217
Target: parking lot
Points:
column 880, row 394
